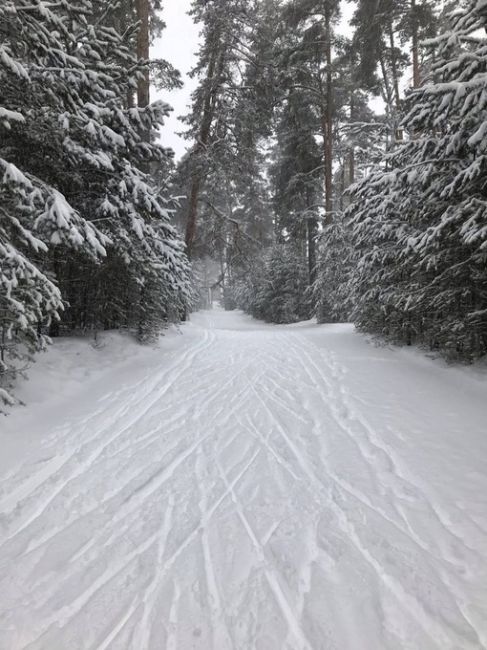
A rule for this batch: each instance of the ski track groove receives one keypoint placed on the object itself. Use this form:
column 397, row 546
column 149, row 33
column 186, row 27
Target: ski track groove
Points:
column 414, row 606
column 375, row 444
column 62, row 616
column 345, row 486
column 98, row 451
column 149, row 599
column 105, row 643
column 220, row 631
column 294, row 625
column 178, row 462
column 155, row 386
column 214, row 397
column 358, row 496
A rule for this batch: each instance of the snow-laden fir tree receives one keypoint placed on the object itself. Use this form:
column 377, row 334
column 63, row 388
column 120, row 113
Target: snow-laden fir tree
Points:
column 34, row 214
column 275, row 287
column 330, row 293
column 78, row 214
column 420, row 226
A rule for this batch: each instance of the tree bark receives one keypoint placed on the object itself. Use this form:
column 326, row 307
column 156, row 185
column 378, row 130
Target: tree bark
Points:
column 215, row 69
column 143, row 88
column 312, row 232
column 395, row 81
column 415, row 46
column 351, row 153
column 395, row 75
column 192, row 215
column 327, row 120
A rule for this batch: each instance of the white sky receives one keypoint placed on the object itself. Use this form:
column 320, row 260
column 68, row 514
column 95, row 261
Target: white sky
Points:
column 178, row 44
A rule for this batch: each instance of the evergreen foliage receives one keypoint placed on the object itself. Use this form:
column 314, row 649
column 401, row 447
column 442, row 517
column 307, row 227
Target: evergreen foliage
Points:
column 275, row 287
column 330, row 290
column 282, row 125
column 85, row 238
column 419, row 226
column 402, row 254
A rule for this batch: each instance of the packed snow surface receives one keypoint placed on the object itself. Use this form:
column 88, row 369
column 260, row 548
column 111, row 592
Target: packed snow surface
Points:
column 245, row 486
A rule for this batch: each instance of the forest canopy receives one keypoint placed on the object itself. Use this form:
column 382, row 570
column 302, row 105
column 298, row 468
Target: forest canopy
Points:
column 335, row 167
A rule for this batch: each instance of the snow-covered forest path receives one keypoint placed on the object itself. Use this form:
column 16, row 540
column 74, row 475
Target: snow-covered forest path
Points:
column 262, row 487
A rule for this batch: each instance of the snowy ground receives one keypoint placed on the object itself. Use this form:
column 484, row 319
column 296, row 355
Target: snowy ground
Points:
column 249, row 487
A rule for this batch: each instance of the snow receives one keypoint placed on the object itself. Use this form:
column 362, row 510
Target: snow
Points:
column 244, row 486
column 7, row 115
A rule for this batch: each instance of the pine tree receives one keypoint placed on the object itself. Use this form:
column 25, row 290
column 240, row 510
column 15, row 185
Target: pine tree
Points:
column 330, row 293
column 227, row 214
column 360, row 141
column 387, row 37
column 313, row 22
column 224, row 26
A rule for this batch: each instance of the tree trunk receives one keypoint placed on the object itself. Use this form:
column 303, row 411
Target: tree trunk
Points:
column 192, row 215
column 215, row 69
column 415, row 46
column 395, row 79
column 312, row 232
column 395, row 75
column 143, row 88
column 327, row 120
column 351, row 153
column 351, row 166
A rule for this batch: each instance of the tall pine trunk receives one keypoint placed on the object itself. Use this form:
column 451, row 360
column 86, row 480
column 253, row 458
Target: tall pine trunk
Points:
column 143, row 38
column 312, row 233
column 395, row 80
column 394, row 70
column 143, row 88
column 327, row 119
column 215, row 68
column 351, row 153
column 415, row 45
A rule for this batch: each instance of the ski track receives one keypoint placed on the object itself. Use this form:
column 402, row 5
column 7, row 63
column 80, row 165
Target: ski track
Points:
column 239, row 498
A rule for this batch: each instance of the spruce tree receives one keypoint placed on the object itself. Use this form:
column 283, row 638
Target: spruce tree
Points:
column 82, row 226
column 275, row 288
column 419, row 227
column 35, row 216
